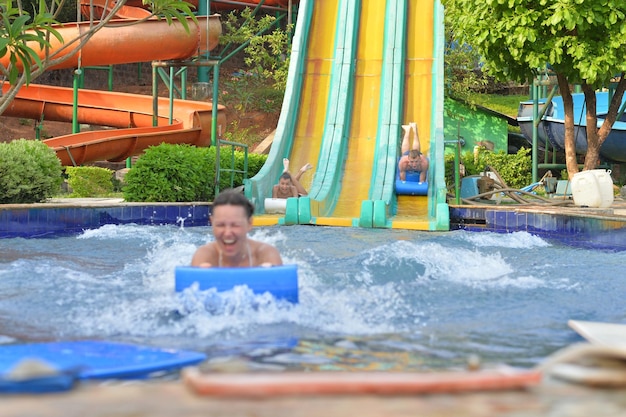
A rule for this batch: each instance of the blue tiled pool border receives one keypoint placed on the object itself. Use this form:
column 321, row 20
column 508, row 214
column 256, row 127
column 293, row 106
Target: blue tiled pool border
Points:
column 45, row 220
column 599, row 230
column 593, row 229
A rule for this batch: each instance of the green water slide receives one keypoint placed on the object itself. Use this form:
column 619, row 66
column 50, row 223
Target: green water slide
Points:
column 404, row 97
column 375, row 211
column 259, row 187
column 327, row 182
column 359, row 70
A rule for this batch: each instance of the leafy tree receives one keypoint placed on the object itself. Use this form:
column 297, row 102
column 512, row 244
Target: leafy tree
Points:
column 463, row 75
column 581, row 40
column 26, row 28
column 266, row 45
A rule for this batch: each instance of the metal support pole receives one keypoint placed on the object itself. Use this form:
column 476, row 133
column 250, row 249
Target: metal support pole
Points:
column 457, row 174
column 458, row 143
column 183, row 83
column 535, row 129
column 155, row 97
column 204, row 8
column 75, row 125
column 171, row 88
column 216, row 75
column 110, row 80
column 457, row 161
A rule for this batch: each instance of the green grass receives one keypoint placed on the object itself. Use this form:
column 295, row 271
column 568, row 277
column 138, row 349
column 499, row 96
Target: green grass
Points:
column 502, row 104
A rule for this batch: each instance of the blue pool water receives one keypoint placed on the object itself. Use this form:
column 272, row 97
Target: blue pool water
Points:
column 369, row 299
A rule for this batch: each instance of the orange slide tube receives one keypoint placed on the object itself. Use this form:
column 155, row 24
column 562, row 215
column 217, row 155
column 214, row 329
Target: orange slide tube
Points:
column 130, row 113
column 125, row 12
column 226, row 4
column 121, row 43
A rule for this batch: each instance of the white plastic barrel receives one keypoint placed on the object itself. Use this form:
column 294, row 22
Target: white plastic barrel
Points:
column 275, row 205
column 593, row 188
column 605, row 183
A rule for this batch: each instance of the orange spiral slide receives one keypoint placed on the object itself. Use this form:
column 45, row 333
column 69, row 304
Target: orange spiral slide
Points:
column 219, row 4
column 132, row 114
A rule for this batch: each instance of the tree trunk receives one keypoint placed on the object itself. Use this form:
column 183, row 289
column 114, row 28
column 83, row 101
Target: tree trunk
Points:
column 593, row 154
column 570, row 144
column 592, row 157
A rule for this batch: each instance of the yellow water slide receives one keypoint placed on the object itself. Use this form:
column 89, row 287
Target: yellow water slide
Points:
column 300, row 127
column 359, row 70
column 363, row 119
column 309, row 120
column 412, row 211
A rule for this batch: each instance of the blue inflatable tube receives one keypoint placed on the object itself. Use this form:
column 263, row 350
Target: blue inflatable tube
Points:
column 411, row 186
column 280, row 281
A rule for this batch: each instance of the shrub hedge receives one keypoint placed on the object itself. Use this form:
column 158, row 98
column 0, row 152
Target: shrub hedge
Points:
column 31, row 172
column 184, row 173
column 515, row 169
column 89, row 181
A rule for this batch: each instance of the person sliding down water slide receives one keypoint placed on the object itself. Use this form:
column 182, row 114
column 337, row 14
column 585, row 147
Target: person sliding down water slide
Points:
column 288, row 185
column 412, row 161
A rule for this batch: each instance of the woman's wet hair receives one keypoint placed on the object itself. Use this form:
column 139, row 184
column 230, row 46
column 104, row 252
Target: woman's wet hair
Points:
column 231, row 197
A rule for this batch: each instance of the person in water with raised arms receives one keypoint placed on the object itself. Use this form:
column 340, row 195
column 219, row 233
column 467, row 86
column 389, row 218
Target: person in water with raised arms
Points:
column 288, row 185
column 231, row 220
column 412, row 160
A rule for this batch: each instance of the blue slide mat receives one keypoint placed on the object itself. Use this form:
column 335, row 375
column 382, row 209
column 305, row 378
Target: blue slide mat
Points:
column 91, row 359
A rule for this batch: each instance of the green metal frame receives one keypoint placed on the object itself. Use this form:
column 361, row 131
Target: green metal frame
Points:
column 108, row 68
column 232, row 170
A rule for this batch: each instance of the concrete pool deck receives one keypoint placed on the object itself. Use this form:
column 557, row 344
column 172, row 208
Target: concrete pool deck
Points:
column 173, row 398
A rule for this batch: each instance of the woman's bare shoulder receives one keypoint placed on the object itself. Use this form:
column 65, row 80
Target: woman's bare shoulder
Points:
column 205, row 254
column 264, row 253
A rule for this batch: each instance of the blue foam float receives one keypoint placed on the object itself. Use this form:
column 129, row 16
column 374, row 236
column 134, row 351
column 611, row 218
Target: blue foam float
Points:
column 412, row 185
column 280, row 281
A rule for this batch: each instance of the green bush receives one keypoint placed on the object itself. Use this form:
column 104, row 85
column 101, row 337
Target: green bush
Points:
column 172, row 173
column 89, row 181
column 31, row 172
column 183, row 173
column 515, row 169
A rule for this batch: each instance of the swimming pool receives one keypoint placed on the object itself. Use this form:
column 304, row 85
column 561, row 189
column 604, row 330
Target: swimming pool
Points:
column 369, row 299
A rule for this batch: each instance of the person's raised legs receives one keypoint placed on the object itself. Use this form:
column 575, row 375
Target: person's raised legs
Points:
column 304, row 169
column 406, row 139
column 296, row 179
